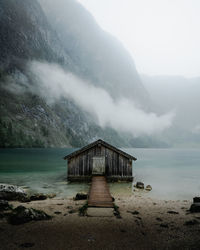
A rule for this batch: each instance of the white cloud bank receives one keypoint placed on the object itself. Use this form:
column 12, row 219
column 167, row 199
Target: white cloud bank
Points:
column 121, row 115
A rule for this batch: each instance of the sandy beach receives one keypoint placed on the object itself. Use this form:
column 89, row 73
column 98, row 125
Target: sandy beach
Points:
column 145, row 223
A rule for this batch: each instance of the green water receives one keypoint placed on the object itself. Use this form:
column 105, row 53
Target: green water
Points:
column 40, row 170
column 173, row 173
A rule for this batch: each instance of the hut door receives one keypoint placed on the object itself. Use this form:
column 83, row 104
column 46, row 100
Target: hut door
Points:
column 98, row 167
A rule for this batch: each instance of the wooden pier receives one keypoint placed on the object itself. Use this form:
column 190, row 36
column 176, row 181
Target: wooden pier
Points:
column 99, row 195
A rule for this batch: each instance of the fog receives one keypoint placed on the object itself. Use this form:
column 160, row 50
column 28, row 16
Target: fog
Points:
column 180, row 93
column 122, row 115
column 162, row 36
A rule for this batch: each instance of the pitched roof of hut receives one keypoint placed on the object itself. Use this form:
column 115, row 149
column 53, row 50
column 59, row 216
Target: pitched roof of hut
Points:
column 99, row 142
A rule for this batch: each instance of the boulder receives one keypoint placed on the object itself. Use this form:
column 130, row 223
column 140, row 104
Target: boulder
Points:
column 81, row 196
column 4, row 205
column 38, row 197
column 21, row 215
column 11, row 192
column 51, row 196
column 148, row 188
column 195, row 208
column 140, row 185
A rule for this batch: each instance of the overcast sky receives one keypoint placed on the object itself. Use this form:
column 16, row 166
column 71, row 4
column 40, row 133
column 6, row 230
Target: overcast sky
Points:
column 163, row 36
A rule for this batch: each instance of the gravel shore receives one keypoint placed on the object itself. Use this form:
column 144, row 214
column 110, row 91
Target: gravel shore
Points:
column 145, row 223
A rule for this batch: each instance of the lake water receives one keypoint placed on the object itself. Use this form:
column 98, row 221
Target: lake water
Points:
column 173, row 173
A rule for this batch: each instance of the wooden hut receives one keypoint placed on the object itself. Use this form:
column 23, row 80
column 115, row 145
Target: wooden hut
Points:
column 99, row 158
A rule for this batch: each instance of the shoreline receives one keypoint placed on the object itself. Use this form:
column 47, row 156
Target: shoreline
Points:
column 146, row 223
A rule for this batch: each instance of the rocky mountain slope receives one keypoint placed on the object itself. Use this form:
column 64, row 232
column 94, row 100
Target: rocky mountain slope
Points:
column 100, row 57
column 73, row 40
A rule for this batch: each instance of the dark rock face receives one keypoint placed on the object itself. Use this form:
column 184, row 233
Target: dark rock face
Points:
column 195, row 208
column 11, row 192
column 29, row 33
column 140, row 185
column 81, row 196
column 21, row 215
column 26, row 34
column 101, row 59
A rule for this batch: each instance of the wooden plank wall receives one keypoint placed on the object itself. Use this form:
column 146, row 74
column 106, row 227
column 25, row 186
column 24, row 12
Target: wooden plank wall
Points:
column 116, row 164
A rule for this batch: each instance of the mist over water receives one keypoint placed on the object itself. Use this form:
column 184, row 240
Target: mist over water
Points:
column 122, row 115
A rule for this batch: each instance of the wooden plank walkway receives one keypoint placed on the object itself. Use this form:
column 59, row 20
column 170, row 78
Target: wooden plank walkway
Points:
column 99, row 195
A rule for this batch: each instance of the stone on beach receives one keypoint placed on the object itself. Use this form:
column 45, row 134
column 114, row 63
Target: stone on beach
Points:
column 11, row 192
column 148, row 188
column 15, row 193
column 4, row 205
column 21, row 215
column 172, row 212
column 36, row 197
column 133, row 212
column 81, row 196
column 196, row 200
column 140, row 185
column 195, row 208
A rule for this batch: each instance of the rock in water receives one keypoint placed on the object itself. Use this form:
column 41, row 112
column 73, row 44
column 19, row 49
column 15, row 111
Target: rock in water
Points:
column 81, row 196
column 140, row 185
column 148, row 188
column 11, row 192
column 21, row 215
column 195, row 208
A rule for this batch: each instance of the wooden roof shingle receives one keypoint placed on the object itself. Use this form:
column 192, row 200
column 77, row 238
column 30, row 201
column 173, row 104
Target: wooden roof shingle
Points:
column 101, row 142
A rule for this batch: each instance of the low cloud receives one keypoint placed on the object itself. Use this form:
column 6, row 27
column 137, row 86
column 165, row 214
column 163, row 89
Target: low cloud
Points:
column 121, row 115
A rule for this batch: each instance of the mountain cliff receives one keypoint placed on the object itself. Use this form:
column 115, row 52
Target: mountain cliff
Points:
column 99, row 56
column 72, row 39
